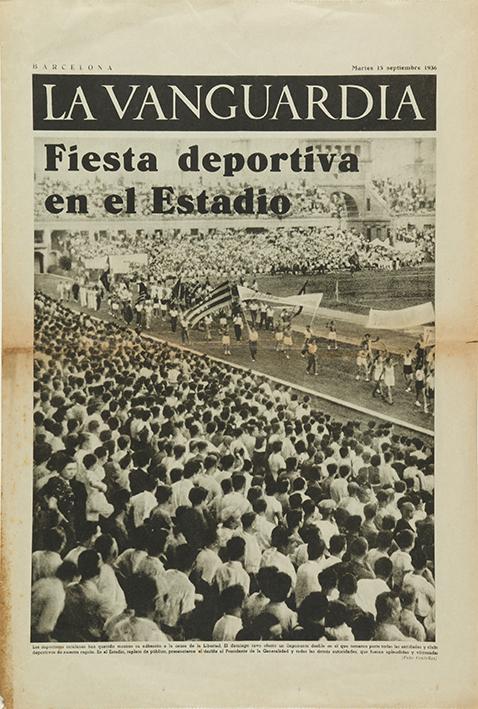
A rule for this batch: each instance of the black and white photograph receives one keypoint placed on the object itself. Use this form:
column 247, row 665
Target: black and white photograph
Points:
column 238, row 248
column 233, row 399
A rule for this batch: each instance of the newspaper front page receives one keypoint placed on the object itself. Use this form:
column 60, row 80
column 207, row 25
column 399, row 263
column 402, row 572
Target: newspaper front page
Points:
column 238, row 255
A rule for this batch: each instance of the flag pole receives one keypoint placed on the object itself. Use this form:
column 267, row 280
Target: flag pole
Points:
column 314, row 314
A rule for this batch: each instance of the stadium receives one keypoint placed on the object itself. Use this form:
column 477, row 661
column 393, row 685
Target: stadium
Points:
column 234, row 414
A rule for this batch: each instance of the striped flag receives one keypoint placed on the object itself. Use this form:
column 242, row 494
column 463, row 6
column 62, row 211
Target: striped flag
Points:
column 215, row 300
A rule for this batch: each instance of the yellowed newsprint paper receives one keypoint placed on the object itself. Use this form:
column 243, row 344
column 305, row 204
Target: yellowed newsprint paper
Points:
column 239, row 354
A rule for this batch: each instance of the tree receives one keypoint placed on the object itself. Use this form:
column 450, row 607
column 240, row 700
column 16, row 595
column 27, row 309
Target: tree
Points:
column 65, row 263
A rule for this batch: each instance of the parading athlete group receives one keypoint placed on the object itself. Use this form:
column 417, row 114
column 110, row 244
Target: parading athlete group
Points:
column 164, row 199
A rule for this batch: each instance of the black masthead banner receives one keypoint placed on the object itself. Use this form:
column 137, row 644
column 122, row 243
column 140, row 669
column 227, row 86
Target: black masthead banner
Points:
column 106, row 102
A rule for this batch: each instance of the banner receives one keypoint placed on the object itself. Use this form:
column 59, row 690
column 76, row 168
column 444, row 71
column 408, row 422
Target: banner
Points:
column 308, row 302
column 401, row 319
column 428, row 336
column 97, row 262
column 120, row 263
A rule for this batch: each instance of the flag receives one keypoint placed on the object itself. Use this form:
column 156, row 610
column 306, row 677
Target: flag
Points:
column 215, row 300
column 178, row 290
column 402, row 319
column 303, row 290
column 105, row 276
column 142, row 293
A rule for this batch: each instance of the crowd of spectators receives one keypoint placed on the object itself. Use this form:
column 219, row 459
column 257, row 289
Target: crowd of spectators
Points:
column 215, row 252
column 413, row 238
column 405, row 196
column 176, row 497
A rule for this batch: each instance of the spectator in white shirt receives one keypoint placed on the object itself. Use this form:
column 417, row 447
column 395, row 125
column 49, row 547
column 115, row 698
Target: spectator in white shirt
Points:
column 107, row 583
column 228, row 626
column 351, row 501
column 384, row 542
column 308, row 573
column 182, row 488
column 138, row 625
column 232, row 572
column 181, row 596
column 264, row 528
column 274, row 507
column 401, row 559
column 143, row 503
column 256, row 602
column 46, row 561
column 208, row 561
column 48, row 601
column 235, row 501
column 276, row 460
column 327, row 524
column 388, row 609
column 252, row 553
column 339, row 485
column 421, row 580
column 337, row 549
column 277, row 554
column 278, row 592
column 86, row 534
column 152, row 563
column 369, row 589
column 408, row 623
